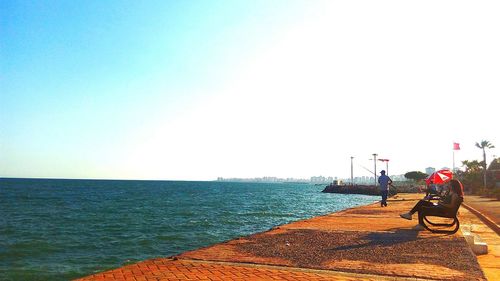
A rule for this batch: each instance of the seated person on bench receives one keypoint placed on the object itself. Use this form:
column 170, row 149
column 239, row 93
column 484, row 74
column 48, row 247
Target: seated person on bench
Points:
column 436, row 192
column 431, row 191
column 446, row 205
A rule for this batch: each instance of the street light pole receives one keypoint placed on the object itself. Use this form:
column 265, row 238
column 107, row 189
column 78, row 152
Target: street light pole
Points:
column 352, row 181
column 375, row 167
column 386, row 165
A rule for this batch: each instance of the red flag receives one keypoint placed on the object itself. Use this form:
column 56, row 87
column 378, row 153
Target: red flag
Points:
column 456, row 146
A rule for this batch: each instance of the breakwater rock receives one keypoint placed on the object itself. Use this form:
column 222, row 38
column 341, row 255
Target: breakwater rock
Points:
column 356, row 189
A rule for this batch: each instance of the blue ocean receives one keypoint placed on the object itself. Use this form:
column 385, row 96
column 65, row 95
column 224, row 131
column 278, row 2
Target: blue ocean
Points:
column 65, row 229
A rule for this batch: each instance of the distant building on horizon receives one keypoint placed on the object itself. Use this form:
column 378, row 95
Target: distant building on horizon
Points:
column 322, row 179
column 369, row 180
column 430, row 170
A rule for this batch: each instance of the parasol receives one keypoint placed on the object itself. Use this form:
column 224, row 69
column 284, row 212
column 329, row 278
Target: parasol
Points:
column 439, row 177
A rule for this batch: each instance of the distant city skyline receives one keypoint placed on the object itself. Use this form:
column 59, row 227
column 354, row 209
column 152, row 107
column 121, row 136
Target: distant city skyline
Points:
column 195, row 90
column 324, row 179
column 313, row 180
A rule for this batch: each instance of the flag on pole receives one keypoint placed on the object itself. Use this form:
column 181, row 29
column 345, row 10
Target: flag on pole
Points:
column 456, row 146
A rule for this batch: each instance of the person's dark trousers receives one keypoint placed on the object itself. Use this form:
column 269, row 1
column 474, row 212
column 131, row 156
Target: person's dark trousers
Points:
column 384, row 197
column 430, row 211
column 420, row 204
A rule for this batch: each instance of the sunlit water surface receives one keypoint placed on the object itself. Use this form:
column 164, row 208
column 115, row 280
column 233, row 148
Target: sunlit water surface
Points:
column 64, row 229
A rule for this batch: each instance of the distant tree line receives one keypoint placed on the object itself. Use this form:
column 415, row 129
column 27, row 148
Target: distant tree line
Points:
column 416, row 176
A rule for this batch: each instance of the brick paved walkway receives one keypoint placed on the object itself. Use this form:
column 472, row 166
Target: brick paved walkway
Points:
column 170, row 269
column 364, row 243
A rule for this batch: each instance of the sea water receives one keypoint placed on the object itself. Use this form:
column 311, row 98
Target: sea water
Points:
column 65, row 229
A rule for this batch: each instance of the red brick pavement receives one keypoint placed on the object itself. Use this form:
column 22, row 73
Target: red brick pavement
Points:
column 171, row 269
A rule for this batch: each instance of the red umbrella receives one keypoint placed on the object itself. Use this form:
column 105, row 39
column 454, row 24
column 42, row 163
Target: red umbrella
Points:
column 439, row 177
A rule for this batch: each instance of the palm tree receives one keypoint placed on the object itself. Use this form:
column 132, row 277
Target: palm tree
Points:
column 483, row 145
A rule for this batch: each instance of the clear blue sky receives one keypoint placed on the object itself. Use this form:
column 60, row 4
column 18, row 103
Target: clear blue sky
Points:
column 201, row 89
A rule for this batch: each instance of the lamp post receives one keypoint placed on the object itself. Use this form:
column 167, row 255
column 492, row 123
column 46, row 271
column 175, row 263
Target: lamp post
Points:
column 352, row 181
column 386, row 165
column 375, row 167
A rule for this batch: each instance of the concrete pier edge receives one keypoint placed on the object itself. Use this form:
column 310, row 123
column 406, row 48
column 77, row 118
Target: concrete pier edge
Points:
column 486, row 220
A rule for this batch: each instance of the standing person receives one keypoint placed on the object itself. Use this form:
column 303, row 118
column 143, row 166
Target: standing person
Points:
column 384, row 182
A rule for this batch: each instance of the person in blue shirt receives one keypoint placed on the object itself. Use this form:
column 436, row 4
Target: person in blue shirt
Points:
column 384, row 181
